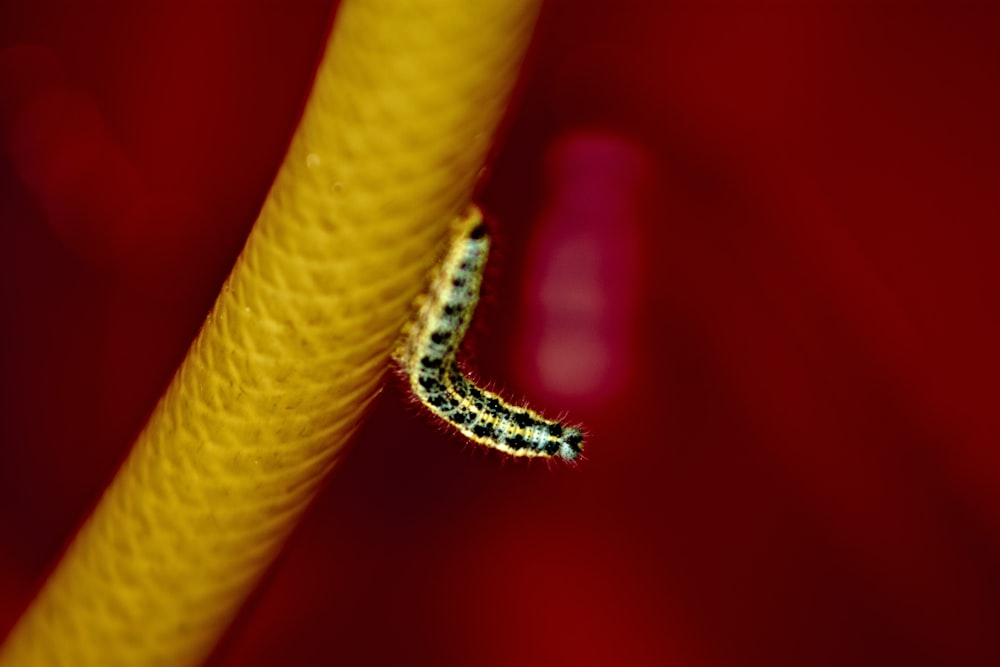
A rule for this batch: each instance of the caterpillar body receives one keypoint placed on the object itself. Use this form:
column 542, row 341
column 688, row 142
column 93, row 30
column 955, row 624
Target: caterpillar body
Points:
column 428, row 358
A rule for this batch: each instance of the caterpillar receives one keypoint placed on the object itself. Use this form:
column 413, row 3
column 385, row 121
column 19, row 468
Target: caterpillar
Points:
column 428, row 352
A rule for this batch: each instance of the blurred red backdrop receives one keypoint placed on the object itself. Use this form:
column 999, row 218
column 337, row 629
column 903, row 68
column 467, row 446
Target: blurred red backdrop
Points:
column 751, row 245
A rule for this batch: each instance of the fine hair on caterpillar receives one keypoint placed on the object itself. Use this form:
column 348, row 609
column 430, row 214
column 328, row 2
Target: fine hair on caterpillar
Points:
column 430, row 345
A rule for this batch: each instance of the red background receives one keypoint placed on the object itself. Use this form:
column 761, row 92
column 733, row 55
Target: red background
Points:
column 793, row 454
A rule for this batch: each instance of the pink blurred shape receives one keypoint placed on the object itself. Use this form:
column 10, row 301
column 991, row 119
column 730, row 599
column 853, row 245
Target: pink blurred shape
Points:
column 580, row 292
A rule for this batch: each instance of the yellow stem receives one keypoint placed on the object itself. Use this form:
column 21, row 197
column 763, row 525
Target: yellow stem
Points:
column 402, row 111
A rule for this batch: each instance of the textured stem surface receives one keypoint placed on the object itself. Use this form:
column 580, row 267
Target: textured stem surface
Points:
column 402, row 111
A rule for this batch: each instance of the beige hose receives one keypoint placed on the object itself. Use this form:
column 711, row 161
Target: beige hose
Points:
column 403, row 109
